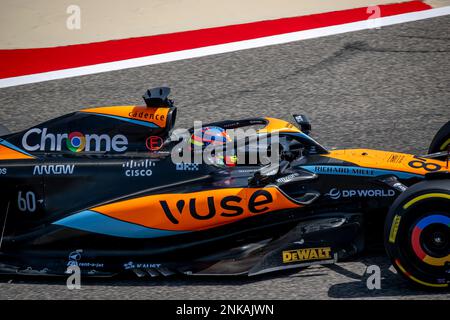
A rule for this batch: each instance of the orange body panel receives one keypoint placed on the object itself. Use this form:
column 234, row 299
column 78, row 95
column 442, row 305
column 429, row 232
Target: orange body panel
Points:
column 388, row 160
column 157, row 116
column 10, row 154
column 278, row 125
column 198, row 210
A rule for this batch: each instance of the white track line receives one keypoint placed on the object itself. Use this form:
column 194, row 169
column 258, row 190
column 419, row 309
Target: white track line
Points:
column 223, row 48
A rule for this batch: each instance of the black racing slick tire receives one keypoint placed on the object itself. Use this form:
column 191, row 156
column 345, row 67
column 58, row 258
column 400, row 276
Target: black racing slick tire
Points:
column 441, row 140
column 417, row 234
column 3, row 130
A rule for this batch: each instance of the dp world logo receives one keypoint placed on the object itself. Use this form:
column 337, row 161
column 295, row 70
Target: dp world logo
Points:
column 367, row 193
column 335, row 193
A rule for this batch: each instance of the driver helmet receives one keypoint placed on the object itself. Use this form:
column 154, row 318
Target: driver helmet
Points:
column 214, row 136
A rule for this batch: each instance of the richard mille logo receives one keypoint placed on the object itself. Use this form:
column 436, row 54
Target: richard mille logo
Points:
column 336, row 193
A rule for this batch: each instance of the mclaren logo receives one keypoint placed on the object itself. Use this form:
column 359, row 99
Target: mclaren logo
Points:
column 307, row 254
column 337, row 193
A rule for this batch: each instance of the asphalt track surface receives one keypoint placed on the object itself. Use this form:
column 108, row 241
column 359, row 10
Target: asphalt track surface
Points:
column 383, row 88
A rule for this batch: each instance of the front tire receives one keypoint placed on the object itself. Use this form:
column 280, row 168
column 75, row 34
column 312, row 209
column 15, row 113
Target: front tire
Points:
column 417, row 234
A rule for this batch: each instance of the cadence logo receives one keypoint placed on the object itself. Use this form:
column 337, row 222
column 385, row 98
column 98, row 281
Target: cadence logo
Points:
column 147, row 116
column 74, row 141
column 336, row 193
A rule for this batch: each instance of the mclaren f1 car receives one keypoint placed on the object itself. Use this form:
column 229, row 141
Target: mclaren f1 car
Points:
column 99, row 189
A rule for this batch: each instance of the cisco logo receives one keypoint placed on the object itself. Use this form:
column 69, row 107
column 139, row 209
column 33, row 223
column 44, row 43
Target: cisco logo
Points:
column 138, row 168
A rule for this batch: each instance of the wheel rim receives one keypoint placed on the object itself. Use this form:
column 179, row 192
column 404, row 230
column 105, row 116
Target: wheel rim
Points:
column 430, row 239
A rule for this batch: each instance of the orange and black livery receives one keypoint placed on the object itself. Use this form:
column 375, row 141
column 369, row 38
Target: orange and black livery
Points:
column 101, row 189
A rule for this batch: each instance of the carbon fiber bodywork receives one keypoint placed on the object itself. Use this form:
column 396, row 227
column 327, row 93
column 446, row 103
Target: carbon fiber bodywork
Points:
column 95, row 190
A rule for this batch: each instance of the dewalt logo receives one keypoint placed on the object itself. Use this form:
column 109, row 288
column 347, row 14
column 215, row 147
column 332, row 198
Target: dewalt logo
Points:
column 307, row 254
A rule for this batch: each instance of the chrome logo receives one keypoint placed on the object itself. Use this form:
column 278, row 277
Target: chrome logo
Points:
column 42, row 140
column 76, row 142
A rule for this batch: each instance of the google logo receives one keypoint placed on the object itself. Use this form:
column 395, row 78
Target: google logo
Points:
column 76, row 142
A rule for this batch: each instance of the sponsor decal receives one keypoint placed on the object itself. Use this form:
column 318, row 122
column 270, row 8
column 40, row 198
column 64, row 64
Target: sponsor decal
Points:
column 75, row 257
column 396, row 158
column 154, row 143
column 74, row 141
column 363, row 193
column 307, row 254
column 394, row 228
column 400, row 186
column 287, row 178
column 133, row 265
column 3, row 171
column 140, row 168
column 90, row 265
column 53, row 169
column 257, row 203
column 247, row 170
column 149, row 116
column 174, row 213
column 299, row 118
column 358, row 171
column 344, row 170
column 187, row 166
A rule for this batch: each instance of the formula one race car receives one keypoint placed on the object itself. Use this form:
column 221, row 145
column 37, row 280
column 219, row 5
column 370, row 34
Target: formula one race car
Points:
column 99, row 190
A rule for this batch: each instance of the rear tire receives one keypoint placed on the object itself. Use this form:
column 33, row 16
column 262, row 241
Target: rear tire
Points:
column 441, row 140
column 417, row 234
